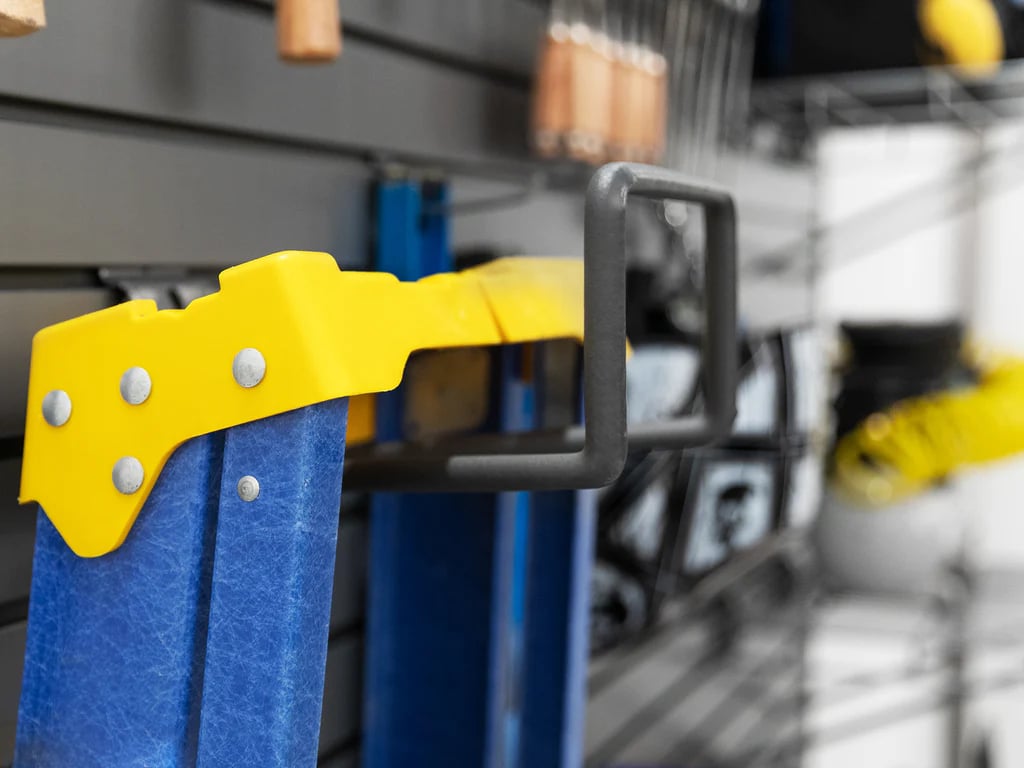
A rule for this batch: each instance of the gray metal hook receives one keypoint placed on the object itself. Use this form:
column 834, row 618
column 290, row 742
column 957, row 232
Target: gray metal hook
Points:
column 592, row 455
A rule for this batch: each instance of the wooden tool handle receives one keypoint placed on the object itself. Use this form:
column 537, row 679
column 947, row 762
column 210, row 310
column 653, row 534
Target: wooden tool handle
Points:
column 308, row 30
column 619, row 129
column 658, row 68
column 637, row 108
column 550, row 118
column 21, row 17
column 590, row 98
column 652, row 81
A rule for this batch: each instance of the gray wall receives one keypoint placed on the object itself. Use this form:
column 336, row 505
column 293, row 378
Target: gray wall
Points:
column 165, row 133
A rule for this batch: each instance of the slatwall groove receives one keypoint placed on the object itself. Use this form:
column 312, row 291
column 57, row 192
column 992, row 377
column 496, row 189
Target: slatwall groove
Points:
column 214, row 66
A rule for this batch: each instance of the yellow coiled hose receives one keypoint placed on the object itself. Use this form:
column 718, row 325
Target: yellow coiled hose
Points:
column 913, row 444
column 966, row 34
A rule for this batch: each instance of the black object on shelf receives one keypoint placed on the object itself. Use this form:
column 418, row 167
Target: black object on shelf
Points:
column 889, row 362
column 799, row 38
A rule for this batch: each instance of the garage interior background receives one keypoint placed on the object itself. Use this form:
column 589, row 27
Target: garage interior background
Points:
column 144, row 146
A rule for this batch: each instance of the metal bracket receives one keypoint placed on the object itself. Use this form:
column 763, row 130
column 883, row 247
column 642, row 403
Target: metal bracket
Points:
column 593, row 455
column 113, row 393
column 170, row 289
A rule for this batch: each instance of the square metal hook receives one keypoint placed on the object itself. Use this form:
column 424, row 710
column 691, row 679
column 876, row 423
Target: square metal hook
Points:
column 592, row 455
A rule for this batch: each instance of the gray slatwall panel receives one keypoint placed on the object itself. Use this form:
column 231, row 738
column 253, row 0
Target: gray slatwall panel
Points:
column 350, row 759
column 546, row 223
column 492, row 33
column 17, row 537
column 212, row 64
column 12, row 649
column 65, row 194
column 72, row 197
column 349, row 574
column 340, row 721
column 341, row 699
column 22, row 313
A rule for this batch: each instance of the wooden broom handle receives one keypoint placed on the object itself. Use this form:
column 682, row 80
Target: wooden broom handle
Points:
column 21, row 17
column 308, row 30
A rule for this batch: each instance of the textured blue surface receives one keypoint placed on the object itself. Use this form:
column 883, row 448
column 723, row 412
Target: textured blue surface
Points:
column 413, row 228
column 202, row 639
column 271, row 598
column 509, row 573
column 114, row 657
column 428, row 620
column 562, row 537
column 562, row 533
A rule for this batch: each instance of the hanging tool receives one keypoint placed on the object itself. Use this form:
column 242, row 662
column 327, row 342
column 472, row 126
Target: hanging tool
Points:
column 572, row 98
column 591, row 82
column 21, row 17
column 550, row 119
column 632, row 85
column 618, row 128
column 636, row 88
column 601, row 91
column 308, row 31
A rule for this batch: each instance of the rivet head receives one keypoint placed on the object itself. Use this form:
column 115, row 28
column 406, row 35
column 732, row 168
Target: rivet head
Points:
column 128, row 475
column 248, row 488
column 136, row 385
column 56, row 407
column 249, row 367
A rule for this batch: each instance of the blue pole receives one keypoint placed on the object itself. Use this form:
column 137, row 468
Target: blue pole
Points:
column 114, row 659
column 446, row 575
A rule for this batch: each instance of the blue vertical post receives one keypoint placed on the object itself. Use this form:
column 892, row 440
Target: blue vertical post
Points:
column 517, row 395
column 202, row 639
column 478, row 608
column 443, row 651
column 562, row 532
column 563, row 529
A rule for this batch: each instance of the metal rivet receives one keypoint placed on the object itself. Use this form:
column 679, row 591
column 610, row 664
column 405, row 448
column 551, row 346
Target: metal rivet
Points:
column 57, row 408
column 248, row 488
column 136, row 385
column 128, row 475
column 249, row 367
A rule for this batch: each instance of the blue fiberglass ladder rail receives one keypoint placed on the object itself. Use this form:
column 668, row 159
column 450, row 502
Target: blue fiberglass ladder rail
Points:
column 159, row 665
